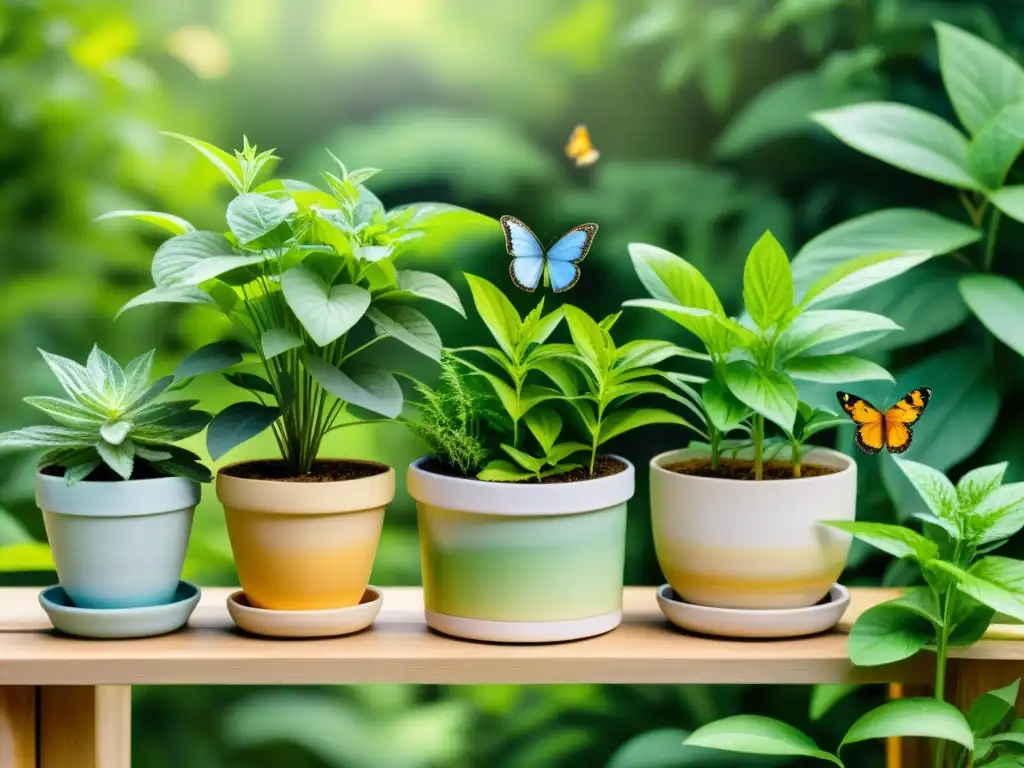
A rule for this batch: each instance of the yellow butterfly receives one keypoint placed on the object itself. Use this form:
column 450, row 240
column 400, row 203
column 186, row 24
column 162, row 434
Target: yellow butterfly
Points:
column 580, row 149
column 891, row 430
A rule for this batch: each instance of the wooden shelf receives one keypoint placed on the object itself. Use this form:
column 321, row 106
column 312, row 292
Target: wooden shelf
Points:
column 399, row 648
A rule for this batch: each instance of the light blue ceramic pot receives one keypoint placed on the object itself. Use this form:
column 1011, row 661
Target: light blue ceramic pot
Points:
column 118, row 544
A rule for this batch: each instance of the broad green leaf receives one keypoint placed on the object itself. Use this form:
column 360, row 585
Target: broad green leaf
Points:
column 702, row 323
column 998, row 582
column 505, row 393
column 409, row 326
column 767, row 282
column 424, row 285
column 626, row 419
column 663, row 748
column 186, row 294
column 756, row 735
column 325, row 312
column 901, row 229
column 195, row 257
column 823, row 326
column 863, row 272
column 978, row 484
column 906, row 137
column 494, row 355
column 1000, row 515
column 76, row 380
column 359, row 384
column 825, row 696
column 980, row 79
column 211, row 358
column 535, row 394
column 562, row 451
column 166, row 221
column 1010, row 200
column 894, row 540
column 544, row 327
column 989, row 709
column 227, row 164
column 277, row 341
column 647, row 352
column 106, row 374
column 835, row 369
column 120, row 457
column 934, row 487
column 252, row 216
column 502, row 471
column 251, row 382
column 137, row 374
column 885, row 634
column 769, row 393
column 545, row 424
column 497, row 312
column 28, row 438
column 997, row 146
column 523, row 459
column 67, row 412
column 562, row 375
column 920, row 601
column 115, row 432
column 998, row 302
column 970, row 620
column 236, row 424
column 588, row 338
column 724, row 410
column 928, row 718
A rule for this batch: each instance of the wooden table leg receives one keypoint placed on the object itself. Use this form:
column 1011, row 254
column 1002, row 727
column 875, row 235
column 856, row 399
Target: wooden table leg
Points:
column 18, row 726
column 84, row 726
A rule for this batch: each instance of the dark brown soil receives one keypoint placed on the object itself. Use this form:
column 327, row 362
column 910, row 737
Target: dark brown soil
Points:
column 742, row 469
column 323, row 471
column 142, row 470
column 603, row 467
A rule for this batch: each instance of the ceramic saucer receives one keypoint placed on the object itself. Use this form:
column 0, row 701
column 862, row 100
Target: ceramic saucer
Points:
column 119, row 623
column 325, row 623
column 757, row 624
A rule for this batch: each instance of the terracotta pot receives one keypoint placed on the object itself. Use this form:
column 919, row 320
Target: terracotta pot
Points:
column 748, row 544
column 302, row 546
column 518, row 562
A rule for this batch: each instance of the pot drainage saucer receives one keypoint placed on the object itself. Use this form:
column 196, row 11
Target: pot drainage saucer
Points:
column 754, row 624
column 330, row 622
column 119, row 623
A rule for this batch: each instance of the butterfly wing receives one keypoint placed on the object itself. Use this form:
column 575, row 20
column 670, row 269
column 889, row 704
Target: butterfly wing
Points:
column 527, row 254
column 580, row 148
column 898, row 434
column 565, row 254
column 869, row 433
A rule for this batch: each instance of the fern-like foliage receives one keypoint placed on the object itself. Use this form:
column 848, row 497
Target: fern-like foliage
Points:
column 452, row 420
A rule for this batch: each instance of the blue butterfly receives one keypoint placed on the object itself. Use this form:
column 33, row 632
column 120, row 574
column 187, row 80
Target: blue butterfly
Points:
column 557, row 265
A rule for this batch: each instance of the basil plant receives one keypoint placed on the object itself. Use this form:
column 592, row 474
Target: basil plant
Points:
column 311, row 280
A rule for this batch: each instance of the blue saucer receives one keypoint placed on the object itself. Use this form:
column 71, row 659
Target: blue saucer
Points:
column 119, row 623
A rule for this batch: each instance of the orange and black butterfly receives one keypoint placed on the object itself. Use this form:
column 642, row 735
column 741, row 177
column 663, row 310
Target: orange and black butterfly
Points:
column 876, row 430
column 580, row 148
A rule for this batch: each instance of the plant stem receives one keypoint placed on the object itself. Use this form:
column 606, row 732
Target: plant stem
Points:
column 993, row 233
column 797, row 470
column 715, row 440
column 758, row 446
column 941, row 653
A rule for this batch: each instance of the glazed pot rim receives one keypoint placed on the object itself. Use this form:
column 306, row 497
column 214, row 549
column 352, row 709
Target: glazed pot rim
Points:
column 519, row 499
column 116, row 498
column 849, row 466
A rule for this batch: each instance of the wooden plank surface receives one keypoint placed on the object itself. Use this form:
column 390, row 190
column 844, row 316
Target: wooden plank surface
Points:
column 399, row 648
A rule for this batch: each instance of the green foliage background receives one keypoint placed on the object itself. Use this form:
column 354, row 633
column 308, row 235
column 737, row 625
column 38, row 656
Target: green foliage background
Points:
column 700, row 110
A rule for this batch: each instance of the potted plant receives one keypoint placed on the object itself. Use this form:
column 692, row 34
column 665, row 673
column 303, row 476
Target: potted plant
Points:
column 522, row 520
column 116, row 492
column 965, row 586
column 740, row 531
column 310, row 280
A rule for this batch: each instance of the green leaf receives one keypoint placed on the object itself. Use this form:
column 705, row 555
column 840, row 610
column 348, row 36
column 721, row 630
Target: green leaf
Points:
column 424, row 285
column 702, row 323
column 933, row 486
column 563, row 451
column 76, row 380
column 359, row 384
column 998, row 302
column 825, row 696
column 997, row 146
column 213, row 357
column 26, row 556
column 992, row 707
column 588, row 338
column 120, row 458
column 998, row 582
column 770, row 393
column 545, row 424
column 67, row 412
column 251, row 382
column 900, row 229
column 561, row 373
column 624, row 420
column 970, row 620
column 767, row 282
column 978, row 484
column 1010, row 200
column 166, row 221
column 540, row 332
column 497, row 312
column 502, row 471
column 195, row 257
column 663, row 748
column 894, row 540
column 724, row 410
column 409, row 326
column 252, row 216
column 860, row 273
column 115, row 432
column 277, row 341
column 980, row 79
column 928, row 718
column 835, row 369
column 325, row 312
column 885, row 634
column 756, row 735
column 822, row 326
column 646, row 352
column 225, row 163
column 236, row 424
column 903, row 136
column 523, row 459
column 186, row 294
column 1000, row 515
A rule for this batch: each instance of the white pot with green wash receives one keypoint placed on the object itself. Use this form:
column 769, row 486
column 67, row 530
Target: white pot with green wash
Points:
column 522, row 562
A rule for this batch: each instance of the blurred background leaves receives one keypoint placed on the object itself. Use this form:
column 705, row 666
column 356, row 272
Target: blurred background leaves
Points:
column 700, row 110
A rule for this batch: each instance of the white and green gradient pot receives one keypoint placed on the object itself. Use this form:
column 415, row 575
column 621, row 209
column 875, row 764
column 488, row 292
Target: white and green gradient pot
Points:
column 522, row 563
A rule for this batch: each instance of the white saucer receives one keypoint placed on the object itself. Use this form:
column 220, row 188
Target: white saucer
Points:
column 327, row 623
column 757, row 624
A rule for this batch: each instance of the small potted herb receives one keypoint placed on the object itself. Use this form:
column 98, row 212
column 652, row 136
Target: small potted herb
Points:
column 116, row 492
column 735, row 522
column 311, row 281
column 522, row 519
